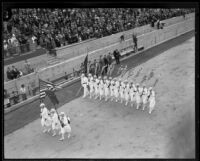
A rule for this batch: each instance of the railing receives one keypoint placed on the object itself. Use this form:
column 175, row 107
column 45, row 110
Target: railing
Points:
column 16, row 97
column 19, row 50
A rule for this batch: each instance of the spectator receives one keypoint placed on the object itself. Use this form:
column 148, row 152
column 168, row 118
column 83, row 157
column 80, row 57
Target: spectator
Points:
column 15, row 97
column 117, row 56
column 28, row 68
column 23, row 92
column 10, row 74
column 109, row 58
column 135, row 42
column 6, row 99
column 15, row 72
column 101, row 63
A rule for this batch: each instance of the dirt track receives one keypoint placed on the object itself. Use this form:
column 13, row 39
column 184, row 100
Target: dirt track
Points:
column 111, row 130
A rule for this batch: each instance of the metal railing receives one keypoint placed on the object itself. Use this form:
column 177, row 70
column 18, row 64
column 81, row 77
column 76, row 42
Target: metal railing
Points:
column 19, row 50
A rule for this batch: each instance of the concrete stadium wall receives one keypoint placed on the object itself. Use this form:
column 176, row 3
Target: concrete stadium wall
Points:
column 39, row 61
column 58, row 70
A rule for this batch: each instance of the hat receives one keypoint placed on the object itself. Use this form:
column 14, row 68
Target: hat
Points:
column 150, row 88
column 110, row 78
column 62, row 113
column 42, row 105
column 82, row 74
column 99, row 77
column 105, row 77
column 52, row 110
column 95, row 76
column 89, row 74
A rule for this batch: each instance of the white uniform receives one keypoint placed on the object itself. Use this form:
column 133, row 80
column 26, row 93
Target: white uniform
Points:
column 138, row 99
column 91, row 84
column 96, row 84
column 106, row 84
column 66, row 128
column 152, row 102
column 85, row 84
column 55, row 121
column 127, row 90
column 121, row 90
column 132, row 95
column 101, row 89
column 112, row 89
column 116, row 90
column 46, row 120
column 144, row 97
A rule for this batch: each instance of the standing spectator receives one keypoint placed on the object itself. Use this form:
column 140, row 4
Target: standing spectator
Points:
column 6, row 99
column 15, row 97
column 135, row 42
column 117, row 56
column 100, row 63
column 109, row 58
column 23, row 92
column 10, row 74
column 27, row 67
column 105, row 65
column 5, row 48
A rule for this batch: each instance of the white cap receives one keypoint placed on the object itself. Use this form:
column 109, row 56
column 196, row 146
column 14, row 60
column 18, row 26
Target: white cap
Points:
column 137, row 84
column 89, row 74
column 53, row 110
column 150, row 88
column 62, row 113
column 82, row 74
column 42, row 105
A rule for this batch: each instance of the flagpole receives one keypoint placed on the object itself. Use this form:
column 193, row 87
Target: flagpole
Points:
column 87, row 61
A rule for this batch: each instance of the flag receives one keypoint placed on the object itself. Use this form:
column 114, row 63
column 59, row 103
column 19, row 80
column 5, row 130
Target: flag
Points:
column 85, row 64
column 44, row 90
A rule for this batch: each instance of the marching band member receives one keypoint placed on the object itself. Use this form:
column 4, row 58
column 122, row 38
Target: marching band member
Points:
column 138, row 98
column 91, row 84
column 55, row 121
column 152, row 100
column 97, row 87
column 106, row 87
column 132, row 93
column 101, row 88
column 127, row 90
column 112, row 86
column 45, row 120
column 65, row 126
column 144, row 97
column 116, row 90
column 121, row 89
column 85, row 86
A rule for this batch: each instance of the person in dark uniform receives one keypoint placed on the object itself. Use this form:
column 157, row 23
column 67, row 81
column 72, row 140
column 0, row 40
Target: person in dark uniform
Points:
column 117, row 56
column 109, row 58
column 135, row 42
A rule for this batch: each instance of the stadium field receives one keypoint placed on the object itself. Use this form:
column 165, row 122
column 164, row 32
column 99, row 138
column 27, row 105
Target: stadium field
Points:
column 111, row 130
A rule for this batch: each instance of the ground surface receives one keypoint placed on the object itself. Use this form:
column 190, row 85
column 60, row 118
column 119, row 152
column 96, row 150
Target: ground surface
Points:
column 112, row 130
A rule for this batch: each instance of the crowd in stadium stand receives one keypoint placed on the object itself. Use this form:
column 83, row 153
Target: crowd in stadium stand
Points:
column 52, row 28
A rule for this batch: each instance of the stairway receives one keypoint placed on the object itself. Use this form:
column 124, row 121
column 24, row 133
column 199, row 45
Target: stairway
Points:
column 52, row 60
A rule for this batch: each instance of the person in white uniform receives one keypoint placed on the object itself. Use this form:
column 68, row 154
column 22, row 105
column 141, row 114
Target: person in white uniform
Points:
column 116, row 90
column 121, row 91
column 132, row 93
column 144, row 97
column 91, row 84
column 55, row 121
column 127, row 90
column 137, row 96
column 112, row 86
column 82, row 76
column 85, row 86
column 46, row 120
column 97, row 87
column 65, row 126
column 106, row 88
column 101, row 89
column 152, row 101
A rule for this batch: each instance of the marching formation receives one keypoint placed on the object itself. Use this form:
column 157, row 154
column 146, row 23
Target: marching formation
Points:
column 52, row 121
column 118, row 91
